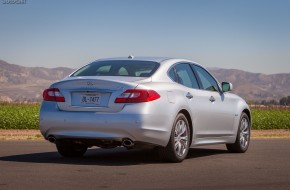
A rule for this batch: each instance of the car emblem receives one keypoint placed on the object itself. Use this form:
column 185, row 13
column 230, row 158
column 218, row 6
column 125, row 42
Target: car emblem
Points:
column 89, row 83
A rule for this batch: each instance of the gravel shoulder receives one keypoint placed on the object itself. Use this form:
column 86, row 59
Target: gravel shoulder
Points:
column 36, row 135
column 14, row 134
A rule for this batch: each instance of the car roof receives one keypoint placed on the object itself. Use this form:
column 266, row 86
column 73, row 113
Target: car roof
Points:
column 138, row 58
column 162, row 60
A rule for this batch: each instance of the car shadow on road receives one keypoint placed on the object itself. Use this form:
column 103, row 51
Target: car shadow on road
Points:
column 107, row 157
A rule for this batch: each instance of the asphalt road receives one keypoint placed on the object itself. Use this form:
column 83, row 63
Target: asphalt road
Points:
column 37, row 165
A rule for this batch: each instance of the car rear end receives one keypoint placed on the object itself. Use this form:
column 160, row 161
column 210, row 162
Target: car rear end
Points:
column 106, row 107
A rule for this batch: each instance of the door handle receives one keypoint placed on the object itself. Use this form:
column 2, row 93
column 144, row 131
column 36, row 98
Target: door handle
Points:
column 189, row 96
column 212, row 99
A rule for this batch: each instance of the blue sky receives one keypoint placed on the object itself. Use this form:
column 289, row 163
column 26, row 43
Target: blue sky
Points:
column 252, row 35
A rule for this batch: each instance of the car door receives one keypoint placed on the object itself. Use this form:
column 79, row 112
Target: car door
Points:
column 215, row 116
column 183, row 74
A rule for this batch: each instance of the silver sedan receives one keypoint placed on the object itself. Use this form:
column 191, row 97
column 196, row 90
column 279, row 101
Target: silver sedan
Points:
column 138, row 102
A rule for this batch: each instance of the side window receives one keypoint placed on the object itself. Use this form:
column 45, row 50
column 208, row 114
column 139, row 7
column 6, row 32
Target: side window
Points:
column 207, row 81
column 185, row 76
column 172, row 75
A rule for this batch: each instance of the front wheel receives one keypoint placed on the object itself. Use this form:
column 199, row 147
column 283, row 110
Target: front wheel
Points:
column 70, row 149
column 178, row 145
column 243, row 136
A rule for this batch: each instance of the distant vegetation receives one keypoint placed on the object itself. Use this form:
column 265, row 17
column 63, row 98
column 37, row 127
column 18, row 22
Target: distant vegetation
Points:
column 285, row 101
column 19, row 116
column 271, row 118
column 25, row 116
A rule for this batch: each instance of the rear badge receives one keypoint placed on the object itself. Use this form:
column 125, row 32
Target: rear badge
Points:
column 89, row 83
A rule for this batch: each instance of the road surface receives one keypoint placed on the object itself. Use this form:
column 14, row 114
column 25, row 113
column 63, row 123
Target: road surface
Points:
column 36, row 165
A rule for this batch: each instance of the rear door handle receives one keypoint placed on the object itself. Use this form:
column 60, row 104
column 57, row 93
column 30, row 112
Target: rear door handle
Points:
column 189, row 96
column 212, row 99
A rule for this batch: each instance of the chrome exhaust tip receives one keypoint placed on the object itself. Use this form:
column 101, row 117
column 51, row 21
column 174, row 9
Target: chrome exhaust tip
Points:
column 51, row 139
column 128, row 143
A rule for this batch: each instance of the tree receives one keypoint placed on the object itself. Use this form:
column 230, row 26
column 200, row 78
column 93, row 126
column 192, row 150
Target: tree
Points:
column 285, row 101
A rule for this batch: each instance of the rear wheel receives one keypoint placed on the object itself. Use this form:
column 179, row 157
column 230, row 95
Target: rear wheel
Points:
column 178, row 145
column 70, row 149
column 243, row 136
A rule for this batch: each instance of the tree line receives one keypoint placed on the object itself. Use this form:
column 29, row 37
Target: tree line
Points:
column 285, row 101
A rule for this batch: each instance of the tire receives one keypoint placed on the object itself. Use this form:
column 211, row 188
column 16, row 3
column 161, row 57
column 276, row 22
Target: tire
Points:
column 70, row 149
column 243, row 136
column 178, row 145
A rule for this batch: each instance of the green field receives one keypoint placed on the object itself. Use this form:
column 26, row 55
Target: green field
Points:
column 25, row 116
column 19, row 116
column 271, row 119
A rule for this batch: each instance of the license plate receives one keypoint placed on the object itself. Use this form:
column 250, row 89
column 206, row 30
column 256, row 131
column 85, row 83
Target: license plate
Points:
column 94, row 99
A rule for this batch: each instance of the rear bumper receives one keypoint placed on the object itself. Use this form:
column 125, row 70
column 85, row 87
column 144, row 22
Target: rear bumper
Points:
column 142, row 127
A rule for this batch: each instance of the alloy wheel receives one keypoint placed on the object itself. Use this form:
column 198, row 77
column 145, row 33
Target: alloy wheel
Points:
column 244, row 133
column 181, row 138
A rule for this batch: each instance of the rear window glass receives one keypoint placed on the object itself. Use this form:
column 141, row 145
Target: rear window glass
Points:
column 118, row 68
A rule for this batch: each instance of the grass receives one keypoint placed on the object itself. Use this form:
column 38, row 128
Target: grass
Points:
column 271, row 119
column 19, row 116
column 25, row 116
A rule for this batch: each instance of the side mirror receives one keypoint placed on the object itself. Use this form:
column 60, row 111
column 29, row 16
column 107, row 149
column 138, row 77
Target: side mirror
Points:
column 226, row 86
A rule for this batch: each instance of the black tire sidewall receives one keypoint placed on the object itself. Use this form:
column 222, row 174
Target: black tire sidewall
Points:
column 172, row 143
column 69, row 149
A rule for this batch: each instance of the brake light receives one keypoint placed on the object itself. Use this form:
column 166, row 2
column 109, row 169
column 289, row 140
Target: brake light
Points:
column 137, row 96
column 53, row 94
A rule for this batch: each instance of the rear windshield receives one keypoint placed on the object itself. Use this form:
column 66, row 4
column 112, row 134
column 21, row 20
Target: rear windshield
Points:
column 118, row 68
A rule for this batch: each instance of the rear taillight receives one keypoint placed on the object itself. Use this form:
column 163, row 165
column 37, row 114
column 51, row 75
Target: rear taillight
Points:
column 137, row 96
column 53, row 94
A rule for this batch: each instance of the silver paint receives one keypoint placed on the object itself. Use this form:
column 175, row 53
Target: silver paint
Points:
column 150, row 122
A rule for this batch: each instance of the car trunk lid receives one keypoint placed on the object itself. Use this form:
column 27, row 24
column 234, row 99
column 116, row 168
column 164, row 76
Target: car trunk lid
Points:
column 94, row 93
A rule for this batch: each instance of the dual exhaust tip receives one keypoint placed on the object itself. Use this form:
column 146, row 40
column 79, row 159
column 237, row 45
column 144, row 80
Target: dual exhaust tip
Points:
column 51, row 139
column 126, row 142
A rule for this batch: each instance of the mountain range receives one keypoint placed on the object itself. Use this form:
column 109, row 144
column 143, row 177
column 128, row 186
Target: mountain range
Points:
column 18, row 83
column 255, row 86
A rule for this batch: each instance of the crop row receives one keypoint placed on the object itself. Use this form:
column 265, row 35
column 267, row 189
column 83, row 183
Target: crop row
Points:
column 23, row 116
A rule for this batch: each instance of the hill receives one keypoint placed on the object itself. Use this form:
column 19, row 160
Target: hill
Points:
column 18, row 83
column 255, row 86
